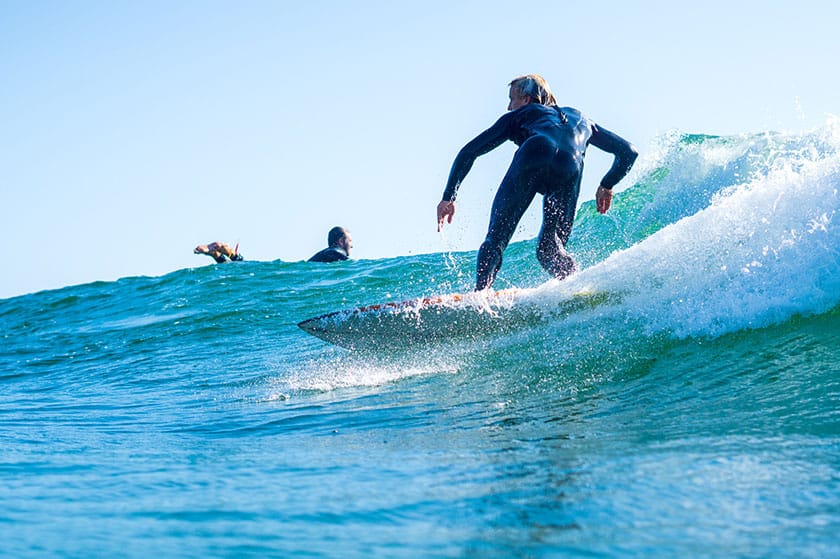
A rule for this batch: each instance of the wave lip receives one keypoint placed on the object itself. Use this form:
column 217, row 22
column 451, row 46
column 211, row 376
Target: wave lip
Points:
column 762, row 250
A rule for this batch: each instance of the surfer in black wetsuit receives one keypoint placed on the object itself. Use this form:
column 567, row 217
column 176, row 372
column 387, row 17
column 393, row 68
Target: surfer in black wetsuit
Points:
column 339, row 242
column 552, row 142
column 220, row 252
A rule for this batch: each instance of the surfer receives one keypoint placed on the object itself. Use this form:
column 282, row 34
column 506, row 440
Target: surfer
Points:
column 220, row 252
column 552, row 142
column 339, row 244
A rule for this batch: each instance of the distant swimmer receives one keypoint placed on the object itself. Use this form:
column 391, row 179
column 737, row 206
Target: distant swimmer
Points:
column 220, row 252
column 339, row 244
column 549, row 161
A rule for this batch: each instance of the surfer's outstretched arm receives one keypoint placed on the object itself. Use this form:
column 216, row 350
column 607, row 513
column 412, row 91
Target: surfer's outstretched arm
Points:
column 487, row 141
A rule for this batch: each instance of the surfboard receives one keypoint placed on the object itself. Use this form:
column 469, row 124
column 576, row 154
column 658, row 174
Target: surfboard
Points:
column 453, row 317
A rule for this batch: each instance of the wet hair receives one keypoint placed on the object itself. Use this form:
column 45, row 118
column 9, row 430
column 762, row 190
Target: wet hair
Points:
column 535, row 87
column 335, row 235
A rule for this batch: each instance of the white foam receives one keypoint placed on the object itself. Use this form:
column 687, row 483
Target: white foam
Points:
column 334, row 373
column 761, row 252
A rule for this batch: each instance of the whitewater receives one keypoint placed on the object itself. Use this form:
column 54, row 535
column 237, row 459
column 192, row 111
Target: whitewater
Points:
column 693, row 411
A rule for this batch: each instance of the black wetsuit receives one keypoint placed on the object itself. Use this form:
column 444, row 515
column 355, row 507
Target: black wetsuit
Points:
column 329, row 254
column 221, row 258
column 552, row 142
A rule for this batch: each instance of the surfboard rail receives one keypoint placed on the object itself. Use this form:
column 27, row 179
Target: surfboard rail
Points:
column 453, row 317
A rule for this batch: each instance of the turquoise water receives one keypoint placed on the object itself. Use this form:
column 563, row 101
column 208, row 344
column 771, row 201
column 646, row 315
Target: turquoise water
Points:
column 694, row 414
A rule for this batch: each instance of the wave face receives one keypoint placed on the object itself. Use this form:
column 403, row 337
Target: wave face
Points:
column 695, row 412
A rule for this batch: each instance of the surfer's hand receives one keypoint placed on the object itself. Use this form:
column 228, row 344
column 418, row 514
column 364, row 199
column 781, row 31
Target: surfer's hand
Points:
column 603, row 199
column 445, row 212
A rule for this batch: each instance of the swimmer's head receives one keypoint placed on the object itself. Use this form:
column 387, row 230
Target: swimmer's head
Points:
column 531, row 88
column 340, row 237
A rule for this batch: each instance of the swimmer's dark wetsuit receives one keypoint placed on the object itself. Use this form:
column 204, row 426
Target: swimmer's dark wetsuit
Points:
column 552, row 142
column 221, row 258
column 329, row 254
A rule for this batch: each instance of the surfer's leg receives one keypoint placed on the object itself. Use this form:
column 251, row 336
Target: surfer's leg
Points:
column 558, row 218
column 512, row 200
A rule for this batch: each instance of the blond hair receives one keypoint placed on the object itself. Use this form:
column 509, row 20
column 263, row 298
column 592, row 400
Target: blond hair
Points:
column 535, row 87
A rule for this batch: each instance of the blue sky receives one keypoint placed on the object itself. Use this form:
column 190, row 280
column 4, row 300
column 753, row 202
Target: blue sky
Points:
column 132, row 131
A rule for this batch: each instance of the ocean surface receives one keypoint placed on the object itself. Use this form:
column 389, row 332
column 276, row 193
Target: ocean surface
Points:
column 694, row 414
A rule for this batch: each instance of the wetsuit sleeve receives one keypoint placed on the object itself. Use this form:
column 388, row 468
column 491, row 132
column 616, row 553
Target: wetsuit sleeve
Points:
column 487, row 141
column 625, row 154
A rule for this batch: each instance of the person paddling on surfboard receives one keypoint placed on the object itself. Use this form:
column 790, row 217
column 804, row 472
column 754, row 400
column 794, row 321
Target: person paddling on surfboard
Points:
column 220, row 252
column 339, row 243
column 552, row 142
